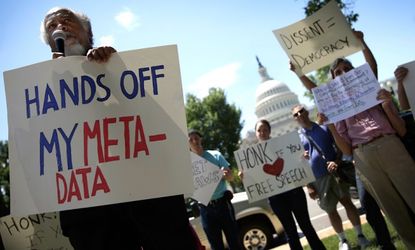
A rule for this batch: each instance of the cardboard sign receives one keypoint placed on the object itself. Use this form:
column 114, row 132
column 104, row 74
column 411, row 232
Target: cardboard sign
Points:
column 273, row 167
column 409, row 84
column 39, row 231
column 84, row 134
column 318, row 40
column 206, row 177
column 348, row 94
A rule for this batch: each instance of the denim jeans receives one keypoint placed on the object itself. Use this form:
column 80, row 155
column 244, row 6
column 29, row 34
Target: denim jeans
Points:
column 217, row 217
column 374, row 216
column 291, row 203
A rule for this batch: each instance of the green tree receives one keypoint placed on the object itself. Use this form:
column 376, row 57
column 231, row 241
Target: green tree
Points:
column 322, row 74
column 346, row 6
column 219, row 122
column 4, row 179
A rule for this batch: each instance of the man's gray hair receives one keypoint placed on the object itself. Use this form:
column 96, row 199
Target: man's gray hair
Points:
column 297, row 106
column 84, row 19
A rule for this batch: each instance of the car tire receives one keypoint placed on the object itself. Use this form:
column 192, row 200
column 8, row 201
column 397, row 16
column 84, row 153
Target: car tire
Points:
column 255, row 235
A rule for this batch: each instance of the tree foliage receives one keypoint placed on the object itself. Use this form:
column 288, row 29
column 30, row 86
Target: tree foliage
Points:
column 322, row 74
column 346, row 6
column 218, row 121
column 4, row 179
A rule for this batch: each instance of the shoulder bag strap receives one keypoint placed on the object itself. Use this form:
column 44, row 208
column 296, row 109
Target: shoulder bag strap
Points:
column 311, row 140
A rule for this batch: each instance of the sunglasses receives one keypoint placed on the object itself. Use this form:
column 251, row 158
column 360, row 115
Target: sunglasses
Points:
column 299, row 112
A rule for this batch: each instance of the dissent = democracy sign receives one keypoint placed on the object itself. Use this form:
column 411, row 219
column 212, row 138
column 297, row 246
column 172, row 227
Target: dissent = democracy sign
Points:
column 318, row 40
column 84, row 134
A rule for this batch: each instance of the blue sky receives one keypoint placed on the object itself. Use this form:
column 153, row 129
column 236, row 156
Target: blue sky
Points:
column 217, row 40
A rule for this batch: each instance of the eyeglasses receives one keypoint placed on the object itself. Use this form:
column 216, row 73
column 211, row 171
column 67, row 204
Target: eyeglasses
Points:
column 298, row 113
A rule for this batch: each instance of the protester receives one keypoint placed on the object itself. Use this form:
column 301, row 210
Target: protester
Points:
column 400, row 74
column 408, row 139
column 386, row 168
column 320, row 151
column 219, row 214
column 374, row 215
column 289, row 204
column 160, row 223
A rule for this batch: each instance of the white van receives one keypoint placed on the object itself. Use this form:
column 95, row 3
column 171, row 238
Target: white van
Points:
column 259, row 227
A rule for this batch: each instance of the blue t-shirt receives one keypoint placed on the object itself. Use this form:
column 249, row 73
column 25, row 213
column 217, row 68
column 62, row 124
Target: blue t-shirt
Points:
column 216, row 158
column 323, row 138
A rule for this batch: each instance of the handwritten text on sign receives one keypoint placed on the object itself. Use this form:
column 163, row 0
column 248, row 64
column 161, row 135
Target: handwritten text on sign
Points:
column 318, row 40
column 85, row 134
column 348, row 94
column 206, row 178
column 274, row 166
column 39, row 231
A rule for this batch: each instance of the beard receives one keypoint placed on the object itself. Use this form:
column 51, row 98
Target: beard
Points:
column 75, row 50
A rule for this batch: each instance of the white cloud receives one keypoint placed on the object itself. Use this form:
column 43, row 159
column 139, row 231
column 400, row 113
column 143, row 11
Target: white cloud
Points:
column 127, row 19
column 222, row 77
column 106, row 40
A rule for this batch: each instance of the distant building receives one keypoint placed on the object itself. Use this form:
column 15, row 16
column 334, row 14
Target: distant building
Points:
column 390, row 85
column 273, row 102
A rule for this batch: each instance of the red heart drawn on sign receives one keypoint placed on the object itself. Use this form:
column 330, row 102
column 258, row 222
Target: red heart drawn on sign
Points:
column 274, row 168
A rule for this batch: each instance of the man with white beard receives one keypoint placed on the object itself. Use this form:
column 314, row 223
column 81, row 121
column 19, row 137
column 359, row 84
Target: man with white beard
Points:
column 159, row 223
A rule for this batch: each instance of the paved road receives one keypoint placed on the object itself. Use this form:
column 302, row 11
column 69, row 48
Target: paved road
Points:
column 319, row 218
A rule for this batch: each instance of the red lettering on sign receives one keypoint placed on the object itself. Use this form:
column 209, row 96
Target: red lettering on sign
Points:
column 78, row 182
column 104, row 140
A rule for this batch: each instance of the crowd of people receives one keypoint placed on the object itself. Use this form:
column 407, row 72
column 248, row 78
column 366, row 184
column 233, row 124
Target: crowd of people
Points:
column 384, row 167
column 377, row 140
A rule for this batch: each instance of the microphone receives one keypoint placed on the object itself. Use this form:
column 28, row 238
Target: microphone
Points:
column 59, row 38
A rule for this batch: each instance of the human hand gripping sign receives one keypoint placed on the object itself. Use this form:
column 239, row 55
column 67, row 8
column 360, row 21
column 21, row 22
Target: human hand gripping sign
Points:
column 227, row 174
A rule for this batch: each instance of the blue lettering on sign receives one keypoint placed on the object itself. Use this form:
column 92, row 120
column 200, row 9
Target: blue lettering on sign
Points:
column 53, row 144
column 85, row 89
column 130, row 88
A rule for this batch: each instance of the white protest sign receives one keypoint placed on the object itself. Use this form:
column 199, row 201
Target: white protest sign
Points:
column 348, row 94
column 409, row 84
column 274, row 166
column 84, row 134
column 206, row 177
column 39, row 231
column 318, row 40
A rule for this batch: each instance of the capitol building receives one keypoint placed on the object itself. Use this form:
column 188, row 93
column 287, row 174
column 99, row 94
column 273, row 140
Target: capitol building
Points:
column 274, row 101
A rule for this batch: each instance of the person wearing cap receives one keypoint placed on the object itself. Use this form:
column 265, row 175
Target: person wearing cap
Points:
column 382, row 162
column 219, row 214
column 153, row 224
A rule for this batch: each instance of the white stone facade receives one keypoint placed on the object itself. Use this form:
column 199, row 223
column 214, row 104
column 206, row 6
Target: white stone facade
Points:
column 274, row 101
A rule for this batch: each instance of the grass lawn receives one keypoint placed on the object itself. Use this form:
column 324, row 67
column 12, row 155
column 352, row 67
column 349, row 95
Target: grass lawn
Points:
column 332, row 242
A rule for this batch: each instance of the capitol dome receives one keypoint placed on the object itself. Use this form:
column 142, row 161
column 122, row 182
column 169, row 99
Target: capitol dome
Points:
column 273, row 103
